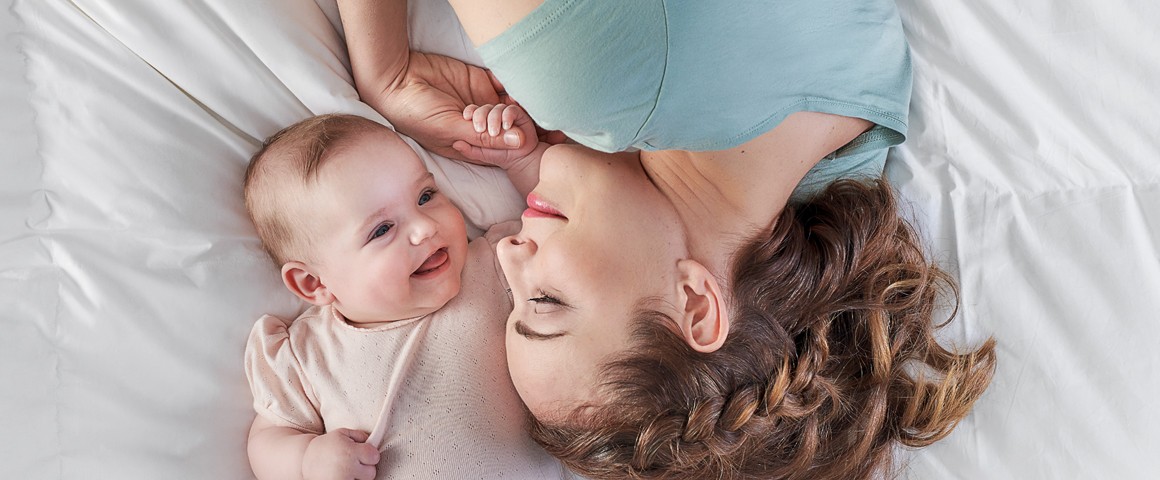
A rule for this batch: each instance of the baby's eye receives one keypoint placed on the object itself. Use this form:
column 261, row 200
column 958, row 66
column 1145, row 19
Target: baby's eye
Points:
column 380, row 231
column 426, row 196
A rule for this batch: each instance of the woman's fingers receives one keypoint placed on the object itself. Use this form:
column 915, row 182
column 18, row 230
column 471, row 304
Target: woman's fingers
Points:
column 499, row 90
column 551, row 137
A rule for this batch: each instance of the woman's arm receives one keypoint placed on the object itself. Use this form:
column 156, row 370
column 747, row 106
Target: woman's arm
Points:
column 484, row 20
column 422, row 95
column 377, row 42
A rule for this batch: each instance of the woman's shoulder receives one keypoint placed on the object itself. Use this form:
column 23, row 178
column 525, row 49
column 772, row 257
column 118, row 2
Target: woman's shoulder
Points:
column 733, row 73
column 696, row 76
column 590, row 69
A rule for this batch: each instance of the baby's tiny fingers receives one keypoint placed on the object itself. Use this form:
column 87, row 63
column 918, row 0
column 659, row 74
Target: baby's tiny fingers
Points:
column 365, row 472
column 355, row 435
column 509, row 116
column 494, row 118
column 366, row 454
column 469, row 111
column 479, row 119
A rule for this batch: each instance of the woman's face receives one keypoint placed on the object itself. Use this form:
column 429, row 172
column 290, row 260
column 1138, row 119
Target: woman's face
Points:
column 597, row 239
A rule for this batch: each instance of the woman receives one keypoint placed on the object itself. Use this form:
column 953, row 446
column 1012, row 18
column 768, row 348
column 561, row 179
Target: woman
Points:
column 676, row 315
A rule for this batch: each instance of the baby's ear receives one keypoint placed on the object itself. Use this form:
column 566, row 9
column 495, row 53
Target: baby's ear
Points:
column 304, row 284
column 704, row 317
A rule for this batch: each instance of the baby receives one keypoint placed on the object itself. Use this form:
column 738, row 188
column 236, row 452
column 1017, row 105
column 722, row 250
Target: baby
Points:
column 398, row 369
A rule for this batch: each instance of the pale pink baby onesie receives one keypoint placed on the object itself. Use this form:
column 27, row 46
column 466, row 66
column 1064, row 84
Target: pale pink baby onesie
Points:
column 455, row 413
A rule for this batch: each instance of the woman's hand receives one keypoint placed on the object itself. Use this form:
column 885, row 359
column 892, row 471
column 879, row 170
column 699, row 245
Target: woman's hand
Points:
column 426, row 102
column 421, row 94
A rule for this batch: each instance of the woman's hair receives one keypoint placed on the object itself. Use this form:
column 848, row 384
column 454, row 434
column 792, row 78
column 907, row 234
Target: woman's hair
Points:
column 830, row 362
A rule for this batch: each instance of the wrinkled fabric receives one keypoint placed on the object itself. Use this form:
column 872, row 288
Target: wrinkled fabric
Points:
column 129, row 275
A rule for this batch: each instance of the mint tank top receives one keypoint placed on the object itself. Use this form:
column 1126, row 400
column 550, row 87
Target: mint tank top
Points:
column 705, row 75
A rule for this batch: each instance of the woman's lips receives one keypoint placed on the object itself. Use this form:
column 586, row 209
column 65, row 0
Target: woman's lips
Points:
column 433, row 264
column 540, row 208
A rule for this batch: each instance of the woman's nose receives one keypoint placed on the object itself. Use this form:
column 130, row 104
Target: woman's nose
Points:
column 515, row 250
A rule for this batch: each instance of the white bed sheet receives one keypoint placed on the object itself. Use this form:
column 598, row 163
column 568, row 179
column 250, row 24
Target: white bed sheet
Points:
column 1034, row 158
column 129, row 275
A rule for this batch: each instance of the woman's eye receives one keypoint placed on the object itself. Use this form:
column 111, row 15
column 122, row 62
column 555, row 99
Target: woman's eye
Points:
column 546, row 303
column 545, row 298
column 380, row 231
column 426, row 197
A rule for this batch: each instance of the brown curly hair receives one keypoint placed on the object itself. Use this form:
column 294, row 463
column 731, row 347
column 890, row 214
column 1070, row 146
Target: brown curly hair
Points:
column 830, row 362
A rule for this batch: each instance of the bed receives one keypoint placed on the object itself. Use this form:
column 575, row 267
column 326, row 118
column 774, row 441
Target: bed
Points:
column 130, row 276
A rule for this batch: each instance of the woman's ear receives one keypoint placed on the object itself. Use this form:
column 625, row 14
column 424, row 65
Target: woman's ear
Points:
column 305, row 284
column 703, row 315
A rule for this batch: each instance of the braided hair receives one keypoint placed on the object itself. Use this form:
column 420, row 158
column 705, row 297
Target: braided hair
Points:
column 830, row 362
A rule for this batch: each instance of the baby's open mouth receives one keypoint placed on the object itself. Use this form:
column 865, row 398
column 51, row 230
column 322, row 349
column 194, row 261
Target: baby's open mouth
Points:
column 433, row 263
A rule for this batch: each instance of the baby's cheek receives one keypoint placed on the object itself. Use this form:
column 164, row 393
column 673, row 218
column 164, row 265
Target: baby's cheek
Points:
column 395, row 281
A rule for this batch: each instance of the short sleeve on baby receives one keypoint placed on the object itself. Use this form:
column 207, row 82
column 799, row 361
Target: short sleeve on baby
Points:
column 280, row 389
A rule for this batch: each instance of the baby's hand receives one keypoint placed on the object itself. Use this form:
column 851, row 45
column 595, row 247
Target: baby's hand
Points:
column 511, row 122
column 493, row 118
column 340, row 455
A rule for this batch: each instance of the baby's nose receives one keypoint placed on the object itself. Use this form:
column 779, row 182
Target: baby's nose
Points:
column 423, row 228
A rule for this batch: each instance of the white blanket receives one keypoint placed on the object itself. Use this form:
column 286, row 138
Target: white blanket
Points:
column 129, row 274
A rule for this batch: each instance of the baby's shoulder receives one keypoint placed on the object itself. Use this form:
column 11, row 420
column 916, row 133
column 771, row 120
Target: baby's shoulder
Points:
column 481, row 250
column 483, row 287
column 498, row 231
column 272, row 330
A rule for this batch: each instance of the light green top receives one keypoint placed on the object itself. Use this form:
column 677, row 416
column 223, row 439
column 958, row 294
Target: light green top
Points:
column 706, row 75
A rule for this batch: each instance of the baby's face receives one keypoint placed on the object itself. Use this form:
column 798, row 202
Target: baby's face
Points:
column 385, row 243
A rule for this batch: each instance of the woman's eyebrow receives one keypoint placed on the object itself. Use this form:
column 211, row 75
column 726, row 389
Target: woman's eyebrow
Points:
column 522, row 329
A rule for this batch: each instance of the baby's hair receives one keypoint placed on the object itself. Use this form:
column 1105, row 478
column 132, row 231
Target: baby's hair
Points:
column 285, row 163
column 831, row 361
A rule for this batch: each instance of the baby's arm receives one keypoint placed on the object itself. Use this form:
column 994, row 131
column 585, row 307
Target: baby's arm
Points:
column 523, row 164
column 278, row 452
